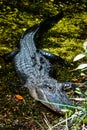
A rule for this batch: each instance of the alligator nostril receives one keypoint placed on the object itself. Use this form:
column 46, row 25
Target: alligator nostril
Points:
column 67, row 85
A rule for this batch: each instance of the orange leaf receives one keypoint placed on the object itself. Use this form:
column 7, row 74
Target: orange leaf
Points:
column 19, row 97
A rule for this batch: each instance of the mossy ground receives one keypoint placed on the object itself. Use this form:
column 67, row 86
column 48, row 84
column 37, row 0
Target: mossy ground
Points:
column 64, row 39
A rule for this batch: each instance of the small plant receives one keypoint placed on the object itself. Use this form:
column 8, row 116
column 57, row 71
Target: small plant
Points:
column 80, row 56
column 82, row 67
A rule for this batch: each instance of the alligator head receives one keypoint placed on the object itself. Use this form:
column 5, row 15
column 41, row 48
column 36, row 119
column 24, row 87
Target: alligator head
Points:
column 51, row 94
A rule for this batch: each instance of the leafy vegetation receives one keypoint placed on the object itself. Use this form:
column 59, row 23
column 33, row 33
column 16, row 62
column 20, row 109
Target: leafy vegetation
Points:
column 17, row 109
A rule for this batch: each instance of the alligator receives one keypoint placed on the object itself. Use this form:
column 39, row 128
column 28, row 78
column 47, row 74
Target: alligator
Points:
column 34, row 67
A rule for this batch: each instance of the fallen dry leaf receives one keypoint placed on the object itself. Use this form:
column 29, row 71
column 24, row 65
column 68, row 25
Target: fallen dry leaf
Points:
column 19, row 97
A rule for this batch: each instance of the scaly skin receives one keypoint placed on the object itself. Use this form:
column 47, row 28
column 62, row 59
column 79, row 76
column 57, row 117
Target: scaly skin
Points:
column 34, row 70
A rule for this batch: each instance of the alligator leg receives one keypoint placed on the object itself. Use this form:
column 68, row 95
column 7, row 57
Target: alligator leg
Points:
column 54, row 58
column 8, row 57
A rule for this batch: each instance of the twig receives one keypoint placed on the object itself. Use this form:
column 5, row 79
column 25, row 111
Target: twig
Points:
column 79, row 99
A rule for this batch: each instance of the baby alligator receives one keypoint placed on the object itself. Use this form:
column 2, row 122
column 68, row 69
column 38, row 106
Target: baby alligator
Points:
column 34, row 71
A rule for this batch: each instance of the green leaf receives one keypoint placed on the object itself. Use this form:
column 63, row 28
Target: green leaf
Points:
column 81, row 66
column 78, row 91
column 78, row 57
column 85, row 45
column 85, row 93
column 86, row 53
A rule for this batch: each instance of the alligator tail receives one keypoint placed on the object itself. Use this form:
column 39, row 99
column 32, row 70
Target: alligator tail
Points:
column 45, row 25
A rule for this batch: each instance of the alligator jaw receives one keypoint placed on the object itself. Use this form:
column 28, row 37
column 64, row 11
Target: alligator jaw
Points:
column 52, row 102
column 53, row 97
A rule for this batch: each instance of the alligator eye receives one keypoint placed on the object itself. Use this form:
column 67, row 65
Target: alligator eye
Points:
column 49, row 87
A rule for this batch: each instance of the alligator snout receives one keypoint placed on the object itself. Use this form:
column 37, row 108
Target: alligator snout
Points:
column 52, row 94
